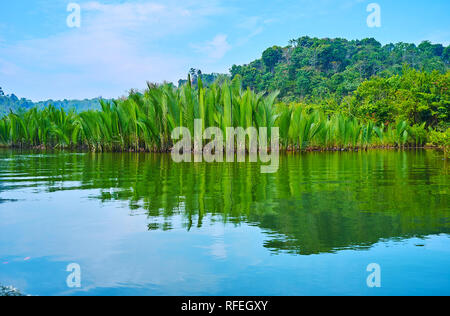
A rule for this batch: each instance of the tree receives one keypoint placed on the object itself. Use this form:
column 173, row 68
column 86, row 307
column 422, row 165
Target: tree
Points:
column 416, row 97
column 272, row 56
column 1, row 92
column 13, row 97
column 446, row 55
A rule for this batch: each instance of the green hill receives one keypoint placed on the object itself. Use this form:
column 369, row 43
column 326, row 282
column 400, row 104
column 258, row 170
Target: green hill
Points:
column 312, row 68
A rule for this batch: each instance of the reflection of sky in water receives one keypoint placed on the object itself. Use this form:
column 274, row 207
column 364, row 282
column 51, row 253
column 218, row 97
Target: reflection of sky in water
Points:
column 118, row 254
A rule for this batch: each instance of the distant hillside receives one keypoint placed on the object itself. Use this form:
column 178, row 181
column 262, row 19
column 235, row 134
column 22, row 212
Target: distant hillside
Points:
column 12, row 102
column 312, row 68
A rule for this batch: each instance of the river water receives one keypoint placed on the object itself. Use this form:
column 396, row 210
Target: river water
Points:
column 140, row 224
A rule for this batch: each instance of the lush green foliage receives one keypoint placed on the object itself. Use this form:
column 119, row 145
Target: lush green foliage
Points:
column 440, row 138
column 312, row 68
column 144, row 121
column 417, row 97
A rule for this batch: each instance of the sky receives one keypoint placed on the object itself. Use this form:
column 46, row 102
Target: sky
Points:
column 123, row 44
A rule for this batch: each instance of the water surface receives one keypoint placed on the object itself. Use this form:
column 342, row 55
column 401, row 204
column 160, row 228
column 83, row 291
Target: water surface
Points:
column 142, row 224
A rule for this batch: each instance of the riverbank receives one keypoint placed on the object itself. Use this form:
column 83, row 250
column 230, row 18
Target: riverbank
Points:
column 290, row 149
column 146, row 122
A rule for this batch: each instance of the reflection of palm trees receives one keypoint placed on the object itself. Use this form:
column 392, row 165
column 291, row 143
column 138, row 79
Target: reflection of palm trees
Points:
column 315, row 203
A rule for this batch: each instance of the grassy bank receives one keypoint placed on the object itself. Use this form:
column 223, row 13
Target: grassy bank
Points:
column 144, row 122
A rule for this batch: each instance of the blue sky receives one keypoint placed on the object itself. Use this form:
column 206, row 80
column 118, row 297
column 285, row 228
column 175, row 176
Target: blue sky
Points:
column 122, row 44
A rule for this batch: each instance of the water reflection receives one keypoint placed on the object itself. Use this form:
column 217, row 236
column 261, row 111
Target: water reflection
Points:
column 316, row 203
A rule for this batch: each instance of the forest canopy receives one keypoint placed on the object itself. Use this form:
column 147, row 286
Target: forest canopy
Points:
column 313, row 68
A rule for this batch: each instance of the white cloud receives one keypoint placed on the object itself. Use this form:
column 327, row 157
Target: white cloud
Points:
column 252, row 26
column 214, row 49
column 158, row 19
column 114, row 50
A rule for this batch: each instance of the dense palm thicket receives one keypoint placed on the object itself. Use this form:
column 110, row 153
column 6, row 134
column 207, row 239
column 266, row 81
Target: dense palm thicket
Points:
column 144, row 122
